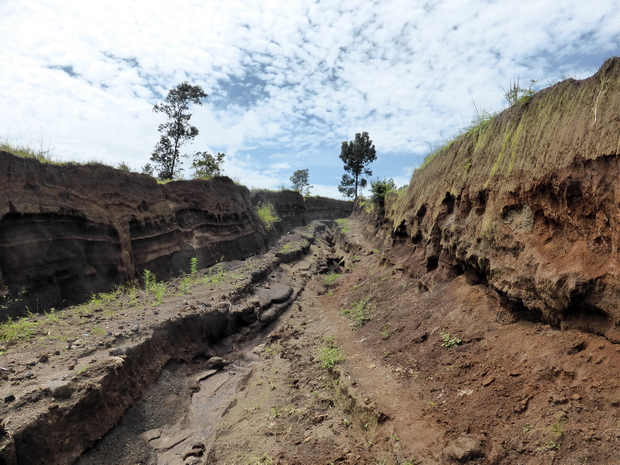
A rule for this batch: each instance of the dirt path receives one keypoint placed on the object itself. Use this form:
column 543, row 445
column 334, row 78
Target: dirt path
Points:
column 381, row 363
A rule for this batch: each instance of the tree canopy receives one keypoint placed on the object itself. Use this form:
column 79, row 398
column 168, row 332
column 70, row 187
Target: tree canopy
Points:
column 356, row 155
column 207, row 166
column 176, row 131
column 301, row 183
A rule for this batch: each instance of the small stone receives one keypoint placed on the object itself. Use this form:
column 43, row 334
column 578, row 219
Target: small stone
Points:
column 60, row 389
column 52, row 406
column 215, row 363
column 192, row 461
column 9, row 398
column 43, row 358
column 135, row 328
column 463, row 449
column 193, row 453
column 116, row 352
column 155, row 312
column 30, row 375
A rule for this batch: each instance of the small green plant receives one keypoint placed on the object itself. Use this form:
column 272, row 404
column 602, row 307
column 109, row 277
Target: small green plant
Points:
column 193, row 265
column 260, row 460
column 82, row 370
column 360, row 312
column 467, row 165
column 21, row 328
column 153, row 288
column 517, row 94
column 448, row 341
column 384, row 332
column 330, row 356
column 331, row 277
column 287, row 247
column 267, row 214
column 527, row 428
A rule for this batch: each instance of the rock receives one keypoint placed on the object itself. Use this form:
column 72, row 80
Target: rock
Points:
column 215, row 363
column 193, row 461
column 463, row 449
column 43, row 358
column 9, row 398
column 116, row 352
column 60, row 389
column 196, row 452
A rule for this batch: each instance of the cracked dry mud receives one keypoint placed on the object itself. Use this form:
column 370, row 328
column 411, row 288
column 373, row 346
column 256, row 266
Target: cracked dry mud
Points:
column 435, row 371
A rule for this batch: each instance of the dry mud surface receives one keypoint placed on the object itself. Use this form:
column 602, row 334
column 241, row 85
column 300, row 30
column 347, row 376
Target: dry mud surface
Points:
column 426, row 371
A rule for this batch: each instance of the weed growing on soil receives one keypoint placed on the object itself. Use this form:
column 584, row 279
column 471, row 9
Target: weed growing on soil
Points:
column 344, row 225
column 193, row 266
column 449, row 341
column 331, row 277
column 384, row 332
column 330, row 356
column 287, row 247
column 267, row 214
column 262, row 460
column 360, row 312
column 153, row 288
column 22, row 328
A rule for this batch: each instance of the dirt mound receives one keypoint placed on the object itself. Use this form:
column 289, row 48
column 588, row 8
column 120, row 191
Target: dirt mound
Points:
column 527, row 205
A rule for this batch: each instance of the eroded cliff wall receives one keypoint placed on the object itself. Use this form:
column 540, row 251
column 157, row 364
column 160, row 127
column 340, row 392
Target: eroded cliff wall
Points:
column 69, row 231
column 529, row 205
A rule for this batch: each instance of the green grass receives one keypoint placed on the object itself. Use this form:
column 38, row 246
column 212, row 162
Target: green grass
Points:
column 21, row 328
column 154, row 289
column 331, row 277
column 26, row 151
column 267, row 214
column 330, row 356
column 360, row 312
column 287, row 247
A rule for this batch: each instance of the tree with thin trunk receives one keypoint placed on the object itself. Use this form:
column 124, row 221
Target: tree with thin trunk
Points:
column 300, row 181
column 356, row 155
column 176, row 131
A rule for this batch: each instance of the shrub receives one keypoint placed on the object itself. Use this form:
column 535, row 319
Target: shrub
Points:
column 267, row 214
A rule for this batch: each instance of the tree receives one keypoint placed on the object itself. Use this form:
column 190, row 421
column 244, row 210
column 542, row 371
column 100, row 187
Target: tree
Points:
column 379, row 189
column 356, row 155
column 176, row 131
column 300, row 180
column 207, row 166
column 148, row 169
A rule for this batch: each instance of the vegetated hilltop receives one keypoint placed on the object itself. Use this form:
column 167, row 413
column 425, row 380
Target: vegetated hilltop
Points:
column 69, row 231
column 529, row 205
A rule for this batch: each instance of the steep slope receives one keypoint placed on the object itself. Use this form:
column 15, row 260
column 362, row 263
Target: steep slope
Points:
column 528, row 205
column 69, row 231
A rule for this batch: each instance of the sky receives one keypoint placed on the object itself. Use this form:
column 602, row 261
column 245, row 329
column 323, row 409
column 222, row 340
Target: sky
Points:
column 288, row 80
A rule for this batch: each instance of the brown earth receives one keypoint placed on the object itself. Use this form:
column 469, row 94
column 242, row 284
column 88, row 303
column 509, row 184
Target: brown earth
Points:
column 509, row 392
column 528, row 205
column 68, row 231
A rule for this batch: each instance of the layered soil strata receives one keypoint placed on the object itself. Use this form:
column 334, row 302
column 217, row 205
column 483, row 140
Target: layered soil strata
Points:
column 527, row 204
column 69, row 231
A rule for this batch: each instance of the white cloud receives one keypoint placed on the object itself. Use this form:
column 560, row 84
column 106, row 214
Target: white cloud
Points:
column 287, row 80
